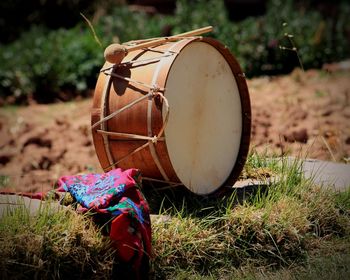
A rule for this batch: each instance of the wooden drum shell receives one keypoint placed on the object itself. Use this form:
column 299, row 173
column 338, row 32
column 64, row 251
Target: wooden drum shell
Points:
column 146, row 117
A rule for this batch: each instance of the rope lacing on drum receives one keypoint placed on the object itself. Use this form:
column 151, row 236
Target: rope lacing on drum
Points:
column 154, row 91
column 155, row 139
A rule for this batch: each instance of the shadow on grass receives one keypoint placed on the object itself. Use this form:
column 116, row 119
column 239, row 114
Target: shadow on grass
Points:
column 179, row 199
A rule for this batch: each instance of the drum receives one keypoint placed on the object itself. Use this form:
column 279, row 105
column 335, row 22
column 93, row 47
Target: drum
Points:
column 179, row 112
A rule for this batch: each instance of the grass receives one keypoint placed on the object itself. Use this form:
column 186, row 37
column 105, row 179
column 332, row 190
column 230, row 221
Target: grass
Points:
column 271, row 228
column 52, row 245
column 287, row 228
column 4, row 181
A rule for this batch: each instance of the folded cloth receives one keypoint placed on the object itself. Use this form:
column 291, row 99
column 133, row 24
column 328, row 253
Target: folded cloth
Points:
column 116, row 193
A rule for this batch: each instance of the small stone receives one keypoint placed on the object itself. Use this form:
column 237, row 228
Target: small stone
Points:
column 5, row 159
column 300, row 136
column 327, row 113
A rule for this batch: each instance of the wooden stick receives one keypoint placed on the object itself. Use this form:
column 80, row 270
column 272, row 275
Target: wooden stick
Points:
column 164, row 39
column 186, row 34
column 115, row 53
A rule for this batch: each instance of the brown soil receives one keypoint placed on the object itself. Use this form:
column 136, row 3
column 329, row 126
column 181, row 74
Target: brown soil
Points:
column 303, row 114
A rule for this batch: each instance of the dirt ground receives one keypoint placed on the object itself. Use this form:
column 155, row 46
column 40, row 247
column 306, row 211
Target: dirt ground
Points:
column 302, row 114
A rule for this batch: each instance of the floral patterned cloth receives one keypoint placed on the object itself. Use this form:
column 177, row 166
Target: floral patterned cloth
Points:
column 116, row 193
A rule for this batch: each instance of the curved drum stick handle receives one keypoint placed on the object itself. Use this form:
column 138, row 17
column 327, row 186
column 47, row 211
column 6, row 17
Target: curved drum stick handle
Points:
column 165, row 39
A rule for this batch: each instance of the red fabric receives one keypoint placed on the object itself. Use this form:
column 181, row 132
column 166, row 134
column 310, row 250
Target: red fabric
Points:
column 124, row 238
column 114, row 193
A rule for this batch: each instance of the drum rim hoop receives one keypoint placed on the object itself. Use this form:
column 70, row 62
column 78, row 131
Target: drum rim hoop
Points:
column 240, row 78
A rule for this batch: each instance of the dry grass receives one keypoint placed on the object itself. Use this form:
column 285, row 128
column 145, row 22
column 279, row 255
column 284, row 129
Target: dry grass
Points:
column 272, row 228
column 52, row 245
column 270, row 232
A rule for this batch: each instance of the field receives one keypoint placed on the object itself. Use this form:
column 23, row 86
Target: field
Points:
column 303, row 114
column 294, row 227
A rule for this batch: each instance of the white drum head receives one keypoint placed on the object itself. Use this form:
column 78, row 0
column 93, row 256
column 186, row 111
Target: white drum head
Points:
column 204, row 129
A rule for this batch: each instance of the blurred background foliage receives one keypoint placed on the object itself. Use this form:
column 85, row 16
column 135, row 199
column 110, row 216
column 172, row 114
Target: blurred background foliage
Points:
column 48, row 51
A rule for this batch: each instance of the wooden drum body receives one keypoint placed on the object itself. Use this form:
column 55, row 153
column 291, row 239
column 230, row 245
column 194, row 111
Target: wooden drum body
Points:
column 179, row 112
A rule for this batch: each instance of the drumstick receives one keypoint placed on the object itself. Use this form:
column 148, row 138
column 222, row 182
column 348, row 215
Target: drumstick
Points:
column 115, row 53
column 199, row 31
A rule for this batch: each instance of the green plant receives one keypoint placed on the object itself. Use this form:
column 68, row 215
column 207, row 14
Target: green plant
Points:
column 122, row 25
column 49, row 65
column 4, row 181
